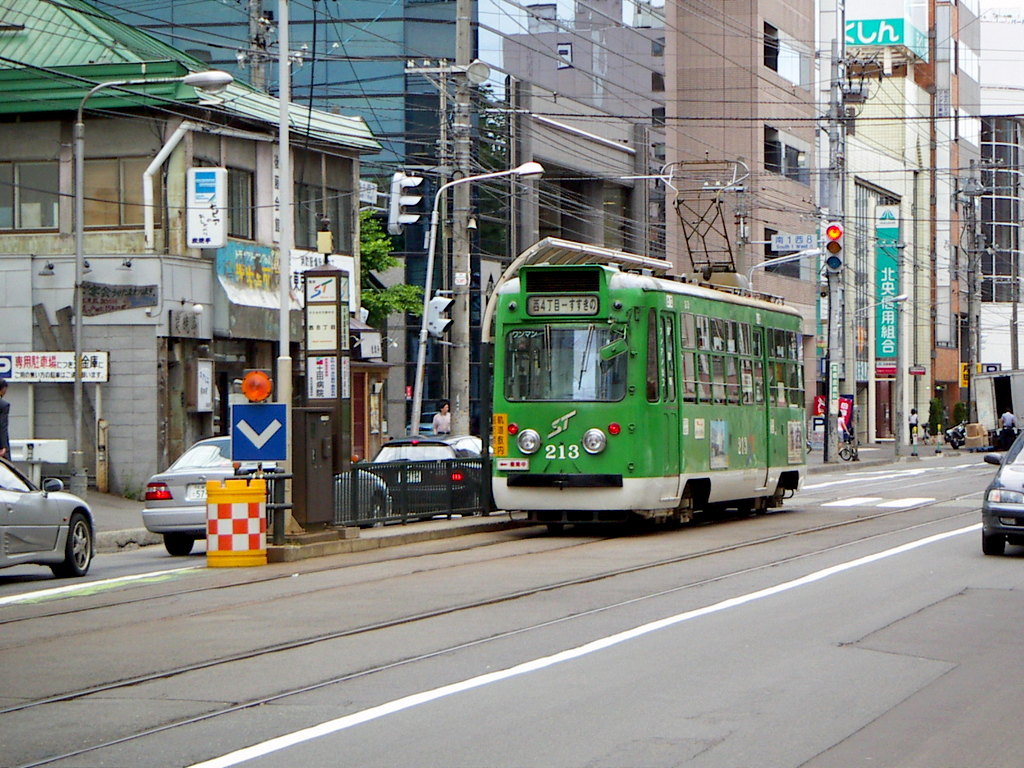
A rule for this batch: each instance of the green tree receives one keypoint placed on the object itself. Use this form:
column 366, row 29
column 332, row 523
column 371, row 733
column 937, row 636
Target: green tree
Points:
column 375, row 248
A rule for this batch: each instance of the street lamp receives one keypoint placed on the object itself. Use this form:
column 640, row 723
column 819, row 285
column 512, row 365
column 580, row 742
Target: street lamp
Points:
column 211, row 81
column 780, row 260
column 529, row 170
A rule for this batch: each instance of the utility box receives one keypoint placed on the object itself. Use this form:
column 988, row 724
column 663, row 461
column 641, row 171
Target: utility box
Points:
column 313, row 459
column 38, row 451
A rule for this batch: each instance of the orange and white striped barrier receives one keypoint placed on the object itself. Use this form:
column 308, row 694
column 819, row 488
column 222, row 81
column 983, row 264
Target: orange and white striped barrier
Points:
column 236, row 522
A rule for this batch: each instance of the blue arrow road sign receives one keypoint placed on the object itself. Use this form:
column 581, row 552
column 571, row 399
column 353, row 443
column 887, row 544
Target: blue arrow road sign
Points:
column 258, row 432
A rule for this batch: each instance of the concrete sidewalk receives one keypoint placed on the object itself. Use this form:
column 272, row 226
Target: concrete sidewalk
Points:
column 119, row 520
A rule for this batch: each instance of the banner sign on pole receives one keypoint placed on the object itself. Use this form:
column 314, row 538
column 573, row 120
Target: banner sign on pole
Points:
column 887, row 279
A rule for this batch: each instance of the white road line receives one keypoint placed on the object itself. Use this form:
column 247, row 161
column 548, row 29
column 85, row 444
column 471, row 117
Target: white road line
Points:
column 89, row 587
column 907, row 502
column 407, row 702
column 853, row 501
column 876, row 475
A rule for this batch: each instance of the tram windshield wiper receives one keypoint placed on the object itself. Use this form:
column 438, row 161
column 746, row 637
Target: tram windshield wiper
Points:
column 586, row 355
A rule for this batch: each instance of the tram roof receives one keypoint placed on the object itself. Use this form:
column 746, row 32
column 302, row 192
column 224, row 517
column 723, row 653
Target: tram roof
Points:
column 556, row 251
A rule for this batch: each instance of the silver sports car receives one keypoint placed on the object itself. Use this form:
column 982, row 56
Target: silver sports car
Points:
column 45, row 526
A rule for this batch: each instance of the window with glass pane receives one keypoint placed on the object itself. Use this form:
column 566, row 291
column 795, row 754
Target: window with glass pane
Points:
column 307, row 205
column 35, row 197
column 102, row 201
column 668, row 347
column 338, row 207
column 133, row 212
column 564, row 363
column 652, row 357
column 240, row 207
column 6, row 196
column 113, row 192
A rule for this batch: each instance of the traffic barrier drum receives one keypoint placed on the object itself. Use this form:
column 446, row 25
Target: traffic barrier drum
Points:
column 236, row 522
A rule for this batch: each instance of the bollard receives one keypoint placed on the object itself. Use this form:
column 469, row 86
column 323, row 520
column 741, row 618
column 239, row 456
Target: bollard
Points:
column 236, row 523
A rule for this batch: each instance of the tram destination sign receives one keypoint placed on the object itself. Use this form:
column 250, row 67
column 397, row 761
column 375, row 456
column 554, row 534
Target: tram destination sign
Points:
column 562, row 305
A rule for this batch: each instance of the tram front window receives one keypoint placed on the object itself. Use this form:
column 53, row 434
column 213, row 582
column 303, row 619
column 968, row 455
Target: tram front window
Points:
column 559, row 363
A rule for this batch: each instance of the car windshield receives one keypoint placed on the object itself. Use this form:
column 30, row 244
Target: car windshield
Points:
column 410, row 452
column 565, row 363
column 205, row 456
column 1016, row 453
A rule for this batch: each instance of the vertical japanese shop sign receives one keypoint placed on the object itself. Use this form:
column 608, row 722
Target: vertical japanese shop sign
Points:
column 206, row 223
column 887, row 279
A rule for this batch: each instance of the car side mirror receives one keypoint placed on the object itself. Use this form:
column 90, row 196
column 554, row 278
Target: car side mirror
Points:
column 53, row 484
column 993, row 458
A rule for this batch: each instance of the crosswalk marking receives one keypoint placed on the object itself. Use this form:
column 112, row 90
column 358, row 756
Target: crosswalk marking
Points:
column 856, row 501
column 865, row 501
column 908, row 502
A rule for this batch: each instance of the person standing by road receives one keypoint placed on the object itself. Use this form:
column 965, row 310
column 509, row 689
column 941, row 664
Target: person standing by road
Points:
column 442, row 424
column 5, row 413
column 1009, row 431
column 913, row 425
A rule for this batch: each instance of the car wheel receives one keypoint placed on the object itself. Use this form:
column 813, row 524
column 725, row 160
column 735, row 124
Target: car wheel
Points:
column 993, row 543
column 178, row 544
column 78, row 550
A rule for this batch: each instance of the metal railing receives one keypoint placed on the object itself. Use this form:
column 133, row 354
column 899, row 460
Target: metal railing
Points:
column 401, row 491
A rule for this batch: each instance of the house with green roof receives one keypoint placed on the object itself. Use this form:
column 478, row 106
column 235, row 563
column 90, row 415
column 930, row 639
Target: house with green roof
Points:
column 177, row 324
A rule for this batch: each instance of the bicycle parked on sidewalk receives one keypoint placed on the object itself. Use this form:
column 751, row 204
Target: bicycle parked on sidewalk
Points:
column 848, row 450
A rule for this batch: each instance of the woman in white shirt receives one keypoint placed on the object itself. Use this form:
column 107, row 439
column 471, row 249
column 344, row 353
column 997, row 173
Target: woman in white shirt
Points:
column 442, row 424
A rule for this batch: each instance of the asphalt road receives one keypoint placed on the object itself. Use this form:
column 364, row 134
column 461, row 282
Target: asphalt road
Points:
column 860, row 626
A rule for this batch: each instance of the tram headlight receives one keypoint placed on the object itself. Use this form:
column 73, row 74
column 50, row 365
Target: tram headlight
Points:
column 594, row 441
column 528, row 441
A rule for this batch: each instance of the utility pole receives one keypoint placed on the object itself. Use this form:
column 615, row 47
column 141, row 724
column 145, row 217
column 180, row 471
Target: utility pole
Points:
column 837, row 213
column 256, row 57
column 461, row 260
column 969, row 194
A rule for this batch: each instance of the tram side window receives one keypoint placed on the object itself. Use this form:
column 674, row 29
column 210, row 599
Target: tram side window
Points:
column 719, row 334
column 668, row 348
column 732, row 380
column 688, row 329
column 796, row 383
column 747, row 380
column 704, row 378
column 777, row 382
column 652, row 357
column 744, row 338
column 703, row 333
column 758, row 380
column 689, row 377
column 718, row 378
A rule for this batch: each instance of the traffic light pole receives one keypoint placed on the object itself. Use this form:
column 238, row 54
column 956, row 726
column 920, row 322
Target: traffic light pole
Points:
column 837, row 212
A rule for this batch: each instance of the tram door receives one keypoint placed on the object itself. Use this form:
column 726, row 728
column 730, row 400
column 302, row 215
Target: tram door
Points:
column 662, row 340
column 762, row 399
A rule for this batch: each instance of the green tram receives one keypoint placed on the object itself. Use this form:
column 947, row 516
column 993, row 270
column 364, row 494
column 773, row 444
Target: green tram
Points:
column 619, row 395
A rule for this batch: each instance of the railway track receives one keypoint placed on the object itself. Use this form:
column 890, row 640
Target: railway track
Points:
column 268, row 651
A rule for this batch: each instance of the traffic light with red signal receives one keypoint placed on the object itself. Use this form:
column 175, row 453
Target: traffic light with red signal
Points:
column 834, row 246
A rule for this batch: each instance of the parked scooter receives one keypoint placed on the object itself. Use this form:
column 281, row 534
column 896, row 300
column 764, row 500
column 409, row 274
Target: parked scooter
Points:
column 956, row 436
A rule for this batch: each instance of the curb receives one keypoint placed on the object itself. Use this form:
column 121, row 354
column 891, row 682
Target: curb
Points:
column 289, row 553
column 133, row 538
column 128, row 538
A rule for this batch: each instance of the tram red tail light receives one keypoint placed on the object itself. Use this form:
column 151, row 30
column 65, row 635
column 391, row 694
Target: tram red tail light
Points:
column 614, row 428
column 513, row 429
column 158, row 492
column 458, row 477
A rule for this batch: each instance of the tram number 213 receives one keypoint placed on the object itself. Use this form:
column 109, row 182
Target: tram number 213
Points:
column 561, row 451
